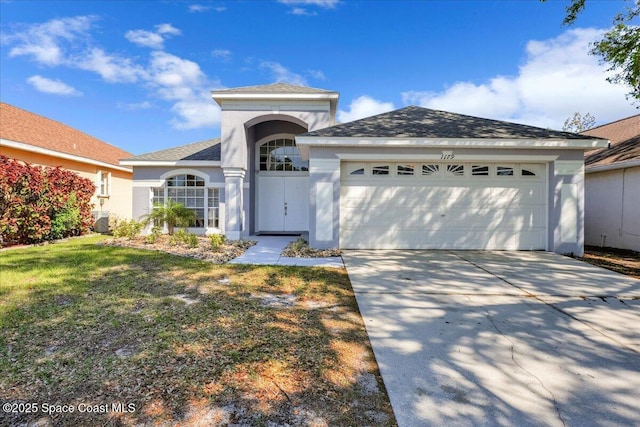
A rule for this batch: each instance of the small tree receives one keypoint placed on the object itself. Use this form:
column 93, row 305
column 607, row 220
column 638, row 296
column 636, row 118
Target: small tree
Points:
column 579, row 123
column 173, row 214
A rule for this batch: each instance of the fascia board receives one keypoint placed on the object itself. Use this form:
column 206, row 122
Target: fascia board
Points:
column 573, row 144
column 219, row 98
column 618, row 165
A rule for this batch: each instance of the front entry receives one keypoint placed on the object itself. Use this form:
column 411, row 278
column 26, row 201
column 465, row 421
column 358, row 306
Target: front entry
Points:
column 282, row 188
column 283, row 204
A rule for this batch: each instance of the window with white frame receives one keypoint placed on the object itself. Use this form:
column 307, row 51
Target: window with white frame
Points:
column 104, row 183
column 190, row 191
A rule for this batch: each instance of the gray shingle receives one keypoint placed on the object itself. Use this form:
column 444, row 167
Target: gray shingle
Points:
column 275, row 88
column 203, row 150
column 418, row 122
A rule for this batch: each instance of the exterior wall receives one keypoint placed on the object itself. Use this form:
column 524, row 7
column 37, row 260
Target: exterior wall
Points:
column 245, row 123
column 148, row 177
column 119, row 201
column 612, row 208
column 565, row 187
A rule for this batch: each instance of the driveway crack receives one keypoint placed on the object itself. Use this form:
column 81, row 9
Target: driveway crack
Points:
column 513, row 345
column 553, row 306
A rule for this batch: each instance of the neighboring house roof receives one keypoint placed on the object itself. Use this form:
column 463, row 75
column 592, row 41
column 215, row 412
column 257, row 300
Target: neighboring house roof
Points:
column 624, row 150
column 418, row 122
column 202, row 151
column 32, row 130
column 275, row 88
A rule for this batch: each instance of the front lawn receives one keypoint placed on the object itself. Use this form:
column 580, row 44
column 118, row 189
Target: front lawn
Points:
column 124, row 336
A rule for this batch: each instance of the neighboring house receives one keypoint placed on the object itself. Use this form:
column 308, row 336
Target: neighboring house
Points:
column 410, row 178
column 612, row 186
column 41, row 141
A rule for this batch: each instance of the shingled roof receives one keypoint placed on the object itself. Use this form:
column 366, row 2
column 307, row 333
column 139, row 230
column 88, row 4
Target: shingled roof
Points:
column 22, row 126
column 207, row 150
column 275, row 88
column 624, row 136
column 418, row 122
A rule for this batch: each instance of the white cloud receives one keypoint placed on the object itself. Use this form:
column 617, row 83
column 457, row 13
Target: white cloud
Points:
column 153, row 40
column 195, row 113
column 182, row 81
column 67, row 42
column 302, row 11
column 317, row 74
column 144, row 105
column 222, row 54
column 557, row 78
column 55, row 87
column 326, row 4
column 145, row 38
column 198, row 8
column 112, row 68
column 45, row 43
column 364, row 106
column 281, row 74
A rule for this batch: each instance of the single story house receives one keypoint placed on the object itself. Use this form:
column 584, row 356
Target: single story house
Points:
column 41, row 141
column 612, row 186
column 411, row 178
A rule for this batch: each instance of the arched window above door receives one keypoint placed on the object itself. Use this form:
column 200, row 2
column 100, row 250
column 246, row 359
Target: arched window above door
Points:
column 281, row 155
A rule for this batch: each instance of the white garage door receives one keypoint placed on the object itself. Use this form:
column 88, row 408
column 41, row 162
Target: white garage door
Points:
column 443, row 206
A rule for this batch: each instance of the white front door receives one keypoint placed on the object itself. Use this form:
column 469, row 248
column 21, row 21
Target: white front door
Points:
column 283, row 203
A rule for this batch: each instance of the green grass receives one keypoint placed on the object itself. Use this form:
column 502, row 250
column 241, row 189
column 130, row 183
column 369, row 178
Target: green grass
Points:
column 82, row 323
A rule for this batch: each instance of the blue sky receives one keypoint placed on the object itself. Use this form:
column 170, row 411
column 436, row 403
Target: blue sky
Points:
column 137, row 74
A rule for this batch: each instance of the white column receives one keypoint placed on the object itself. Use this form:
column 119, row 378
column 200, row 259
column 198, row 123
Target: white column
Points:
column 234, row 206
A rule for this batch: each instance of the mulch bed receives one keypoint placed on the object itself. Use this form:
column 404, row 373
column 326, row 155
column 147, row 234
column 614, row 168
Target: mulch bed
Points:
column 620, row 260
column 300, row 248
column 229, row 250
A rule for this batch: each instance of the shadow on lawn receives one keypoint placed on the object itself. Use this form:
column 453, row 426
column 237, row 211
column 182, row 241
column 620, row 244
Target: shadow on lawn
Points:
column 184, row 341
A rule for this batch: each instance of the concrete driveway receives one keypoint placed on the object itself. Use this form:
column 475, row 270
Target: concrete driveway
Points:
column 501, row 338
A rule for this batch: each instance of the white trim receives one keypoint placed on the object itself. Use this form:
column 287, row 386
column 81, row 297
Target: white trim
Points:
column 618, row 165
column 324, row 165
column 569, row 167
column 175, row 172
column 438, row 157
column 48, row 152
column 277, row 107
column 573, row 144
column 193, row 163
column 219, row 97
column 234, row 172
column 150, row 183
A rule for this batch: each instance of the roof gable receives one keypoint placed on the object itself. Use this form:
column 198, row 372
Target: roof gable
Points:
column 419, row 122
column 22, row 126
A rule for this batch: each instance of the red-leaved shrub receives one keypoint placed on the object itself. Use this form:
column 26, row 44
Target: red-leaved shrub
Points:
column 41, row 203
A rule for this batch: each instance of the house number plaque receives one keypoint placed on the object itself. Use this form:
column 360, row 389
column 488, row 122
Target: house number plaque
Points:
column 447, row 155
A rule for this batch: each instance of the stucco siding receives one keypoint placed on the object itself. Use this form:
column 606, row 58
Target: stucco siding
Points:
column 119, row 201
column 612, row 208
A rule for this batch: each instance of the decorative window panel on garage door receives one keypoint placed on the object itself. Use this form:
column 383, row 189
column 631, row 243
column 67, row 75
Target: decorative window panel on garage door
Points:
column 438, row 205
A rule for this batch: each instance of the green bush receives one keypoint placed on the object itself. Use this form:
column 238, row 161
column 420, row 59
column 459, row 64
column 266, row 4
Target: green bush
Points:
column 156, row 232
column 126, row 228
column 217, row 240
column 192, row 240
column 66, row 221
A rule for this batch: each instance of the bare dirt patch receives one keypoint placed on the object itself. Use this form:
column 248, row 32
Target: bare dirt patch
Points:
column 620, row 260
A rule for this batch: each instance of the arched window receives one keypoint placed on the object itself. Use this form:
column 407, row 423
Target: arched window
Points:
column 190, row 191
column 281, row 155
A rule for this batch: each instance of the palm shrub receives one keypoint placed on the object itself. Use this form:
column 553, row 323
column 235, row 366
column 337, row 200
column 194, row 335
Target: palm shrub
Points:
column 172, row 213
